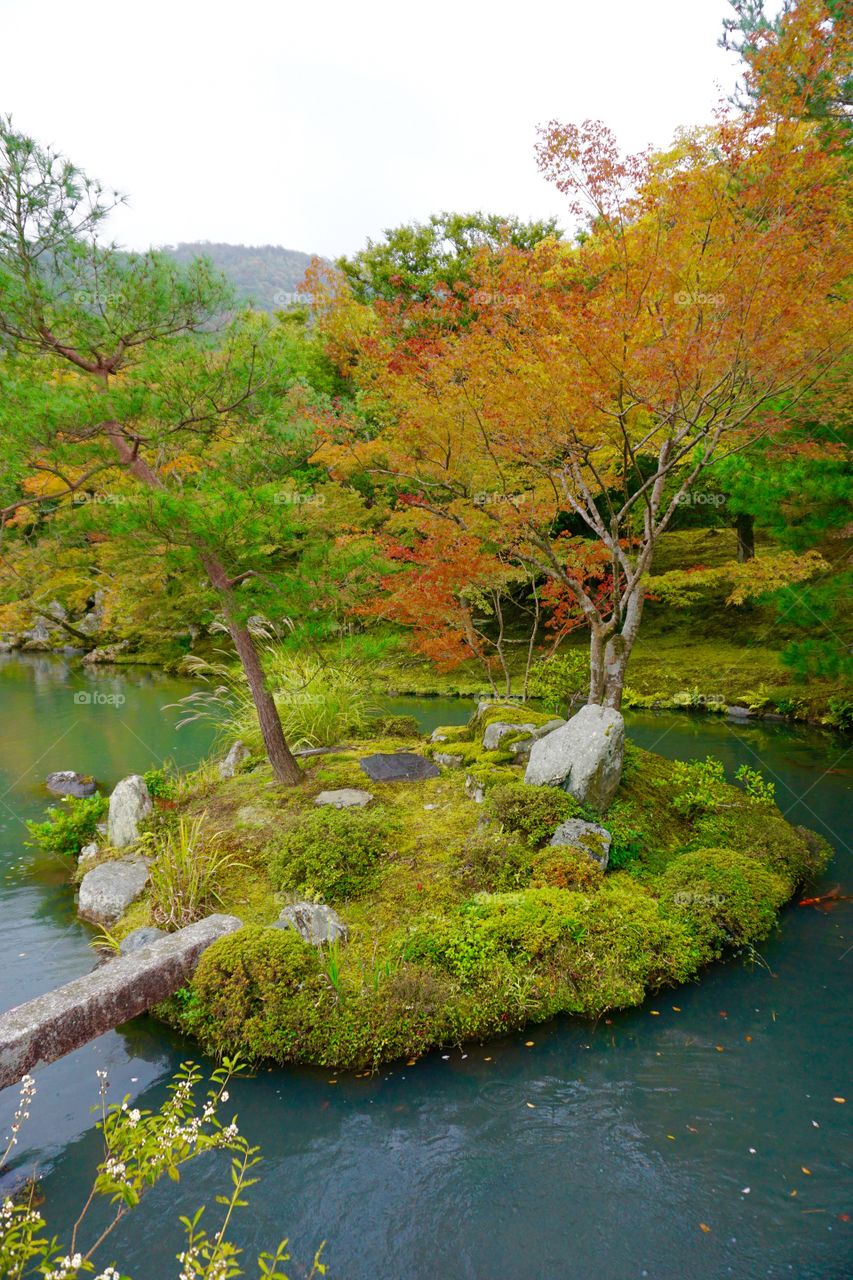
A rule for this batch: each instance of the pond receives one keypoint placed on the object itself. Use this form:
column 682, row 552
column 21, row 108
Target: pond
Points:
column 594, row 1153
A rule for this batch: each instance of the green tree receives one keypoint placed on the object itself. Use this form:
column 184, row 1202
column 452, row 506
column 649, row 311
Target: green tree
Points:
column 127, row 369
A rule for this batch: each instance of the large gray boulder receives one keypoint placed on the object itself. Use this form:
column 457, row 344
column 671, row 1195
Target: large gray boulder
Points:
column 587, row 837
column 344, row 798
column 129, row 804
column 584, row 757
column 234, row 760
column 68, row 783
column 313, row 922
column 500, row 729
column 108, row 889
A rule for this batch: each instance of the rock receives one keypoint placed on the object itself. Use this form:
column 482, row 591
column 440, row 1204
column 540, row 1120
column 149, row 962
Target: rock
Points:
column 521, row 749
column 39, row 635
column 139, row 938
column 129, row 804
column 493, row 704
column 438, row 736
column 88, row 851
column 740, row 713
column 345, row 798
column 398, row 766
column 109, row 653
column 449, row 761
column 313, row 922
column 68, row 783
column 500, row 729
column 587, row 837
column 584, row 756
column 108, row 889
column 474, row 790
column 235, row 758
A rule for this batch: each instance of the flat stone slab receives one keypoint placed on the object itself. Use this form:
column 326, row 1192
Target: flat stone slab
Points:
column 399, row 766
column 345, row 798
column 50, row 1026
column 587, row 837
column 68, row 783
column 108, row 889
column 313, row 922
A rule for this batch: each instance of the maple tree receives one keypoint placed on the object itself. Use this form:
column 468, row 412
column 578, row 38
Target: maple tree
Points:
column 603, row 378
column 124, row 374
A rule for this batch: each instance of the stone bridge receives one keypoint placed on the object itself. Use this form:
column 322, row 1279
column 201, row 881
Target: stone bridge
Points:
column 51, row 1025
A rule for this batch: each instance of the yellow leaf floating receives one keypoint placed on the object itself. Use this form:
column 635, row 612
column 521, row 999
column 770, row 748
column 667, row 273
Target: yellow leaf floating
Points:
column 805, row 1170
column 703, row 1226
column 532, row 1106
column 839, row 1099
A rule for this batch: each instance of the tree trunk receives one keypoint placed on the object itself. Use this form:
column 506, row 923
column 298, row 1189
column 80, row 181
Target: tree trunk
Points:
column 745, row 526
column 284, row 766
column 609, row 651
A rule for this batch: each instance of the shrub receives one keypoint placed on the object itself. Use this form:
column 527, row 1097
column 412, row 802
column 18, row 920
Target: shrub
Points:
column 69, row 825
column 761, row 832
column 185, row 874
column 726, row 898
column 562, row 867
column 533, row 812
column 243, row 988
column 494, row 860
column 756, row 785
column 331, row 853
column 162, row 783
column 697, row 786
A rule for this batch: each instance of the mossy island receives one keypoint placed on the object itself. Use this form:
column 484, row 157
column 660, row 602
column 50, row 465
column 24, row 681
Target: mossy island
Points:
column 451, row 912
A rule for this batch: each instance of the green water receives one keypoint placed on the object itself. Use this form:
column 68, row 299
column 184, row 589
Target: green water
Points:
column 443, row 1170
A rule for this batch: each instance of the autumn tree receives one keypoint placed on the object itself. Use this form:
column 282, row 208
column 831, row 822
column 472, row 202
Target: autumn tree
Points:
column 128, row 367
column 603, row 378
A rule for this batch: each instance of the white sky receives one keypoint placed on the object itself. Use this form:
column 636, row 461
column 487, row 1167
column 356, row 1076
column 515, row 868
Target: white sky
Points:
column 316, row 125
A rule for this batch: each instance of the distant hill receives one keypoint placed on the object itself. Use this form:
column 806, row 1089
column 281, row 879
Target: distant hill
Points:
column 266, row 275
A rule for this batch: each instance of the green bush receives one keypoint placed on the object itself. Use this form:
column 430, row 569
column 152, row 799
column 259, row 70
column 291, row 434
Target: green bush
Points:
column 494, row 860
column 562, row 867
column 697, row 786
column 331, row 854
column 725, row 897
column 69, row 825
column 242, row 991
column 760, row 831
column 533, row 812
column 162, row 783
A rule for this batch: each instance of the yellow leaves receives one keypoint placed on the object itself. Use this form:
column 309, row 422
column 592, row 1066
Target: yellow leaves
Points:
column 769, row 573
column 184, row 464
column 703, row 1226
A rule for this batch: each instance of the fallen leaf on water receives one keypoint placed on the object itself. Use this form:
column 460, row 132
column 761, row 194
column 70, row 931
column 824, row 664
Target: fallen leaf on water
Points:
column 532, row 1106
column 528, row 1044
column 332, row 1082
column 676, row 1008
column 805, row 1170
column 655, row 1013
column 839, row 1099
column 719, row 1048
column 671, row 1137
column 746, row 1190
column 703, row 1226
column 411, row 1062
column 844, row 1217
column 692, row 1130
column 793, row 1193
column 487, row 1059
column 748, row 1038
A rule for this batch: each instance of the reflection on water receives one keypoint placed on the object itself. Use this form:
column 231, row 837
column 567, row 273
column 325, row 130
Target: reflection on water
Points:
column 642, row 1127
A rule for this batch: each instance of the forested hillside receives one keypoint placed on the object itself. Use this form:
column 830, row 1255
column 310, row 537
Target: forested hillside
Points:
column 265, row 275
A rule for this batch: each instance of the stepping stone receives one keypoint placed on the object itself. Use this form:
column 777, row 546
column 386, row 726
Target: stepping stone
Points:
column 399, row 766
column 345, row 798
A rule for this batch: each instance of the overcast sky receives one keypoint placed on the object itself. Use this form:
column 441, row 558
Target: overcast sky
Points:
column 315, row 125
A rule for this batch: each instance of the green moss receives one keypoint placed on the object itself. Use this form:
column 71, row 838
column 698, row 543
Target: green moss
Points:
column 725, row 898
column 460, row 925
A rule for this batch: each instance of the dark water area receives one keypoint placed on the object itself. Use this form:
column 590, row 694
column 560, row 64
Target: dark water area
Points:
column 593, row 1154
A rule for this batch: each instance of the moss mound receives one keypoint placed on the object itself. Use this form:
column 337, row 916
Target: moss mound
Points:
column 462, row 920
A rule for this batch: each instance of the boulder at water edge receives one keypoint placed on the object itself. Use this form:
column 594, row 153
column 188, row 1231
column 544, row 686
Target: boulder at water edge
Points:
column 584, row 757
column 586, row 837
column 68, row 783
column 108, row 889
column 129, row 804
column 313, row 922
